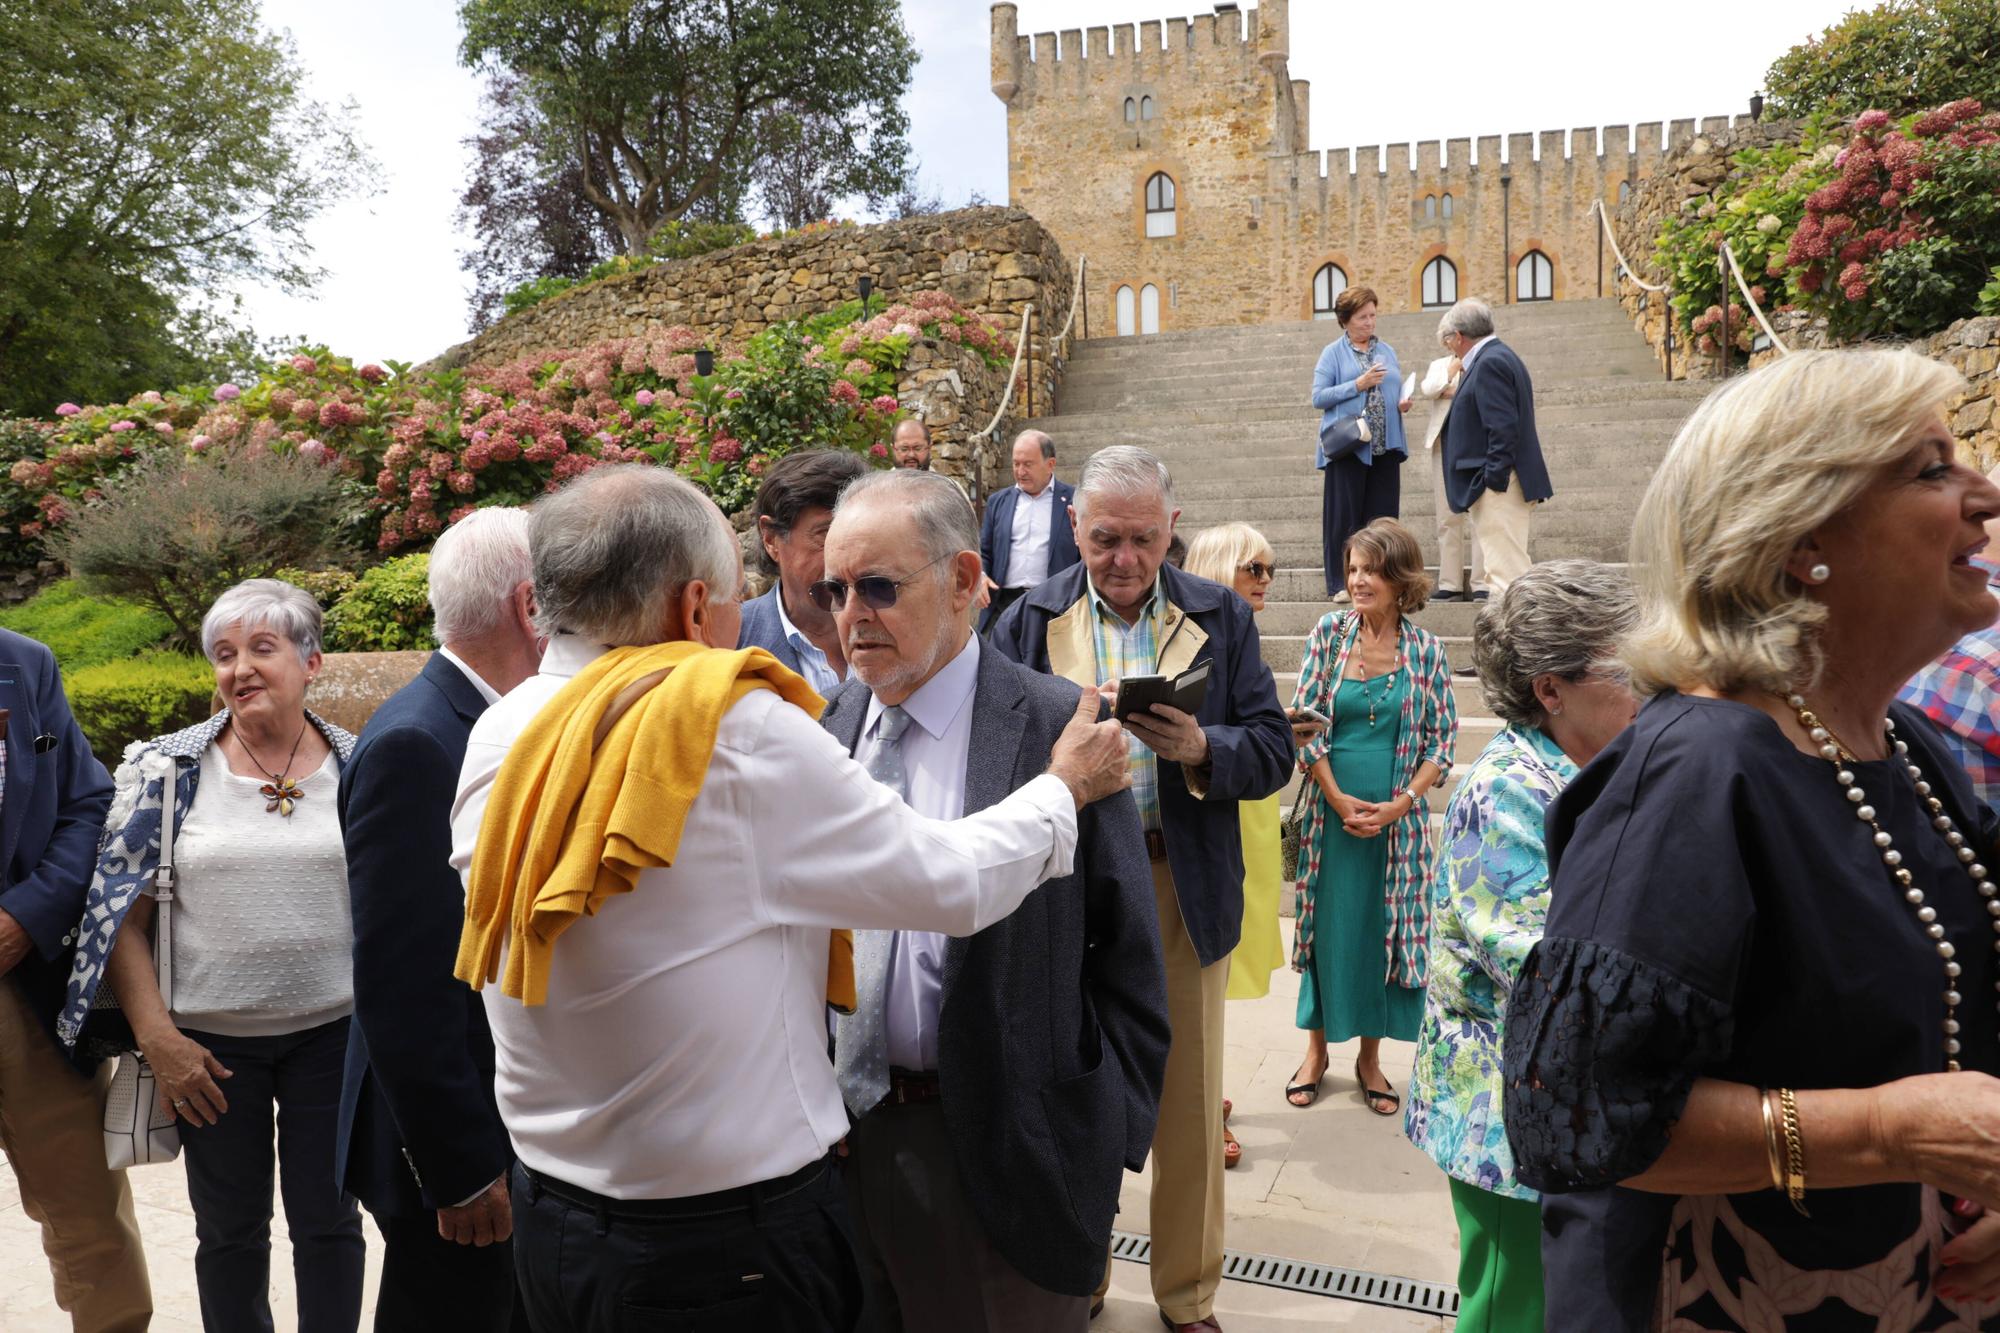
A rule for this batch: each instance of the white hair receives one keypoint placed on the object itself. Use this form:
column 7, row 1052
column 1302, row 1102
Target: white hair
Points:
column 267, row 604
column 945, row 523
column 1125, row 470
column 474, row 569
column 1471, row 317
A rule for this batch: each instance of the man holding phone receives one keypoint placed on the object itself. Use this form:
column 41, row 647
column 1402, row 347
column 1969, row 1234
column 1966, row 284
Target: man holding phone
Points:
column 1125, row 613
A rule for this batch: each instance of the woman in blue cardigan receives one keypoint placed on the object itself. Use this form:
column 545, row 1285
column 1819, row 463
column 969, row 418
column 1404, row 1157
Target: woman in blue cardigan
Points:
column 1357, row 376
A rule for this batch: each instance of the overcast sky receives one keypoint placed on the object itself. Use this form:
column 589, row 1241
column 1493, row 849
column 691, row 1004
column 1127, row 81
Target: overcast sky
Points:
column 1402, row 73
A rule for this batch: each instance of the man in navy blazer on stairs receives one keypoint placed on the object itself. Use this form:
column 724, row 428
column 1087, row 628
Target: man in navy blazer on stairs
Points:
column 1026, row 537
column 1493, row 465
column 420, row 1141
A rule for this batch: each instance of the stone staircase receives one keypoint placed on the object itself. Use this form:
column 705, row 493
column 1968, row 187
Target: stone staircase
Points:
column 1228, row 409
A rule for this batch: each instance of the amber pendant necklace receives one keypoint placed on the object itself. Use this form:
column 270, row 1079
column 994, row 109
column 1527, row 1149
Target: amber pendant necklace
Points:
column 282, row 792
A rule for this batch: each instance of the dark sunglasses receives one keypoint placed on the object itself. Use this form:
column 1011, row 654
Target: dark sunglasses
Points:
column 1257, row 569
column 876, row 591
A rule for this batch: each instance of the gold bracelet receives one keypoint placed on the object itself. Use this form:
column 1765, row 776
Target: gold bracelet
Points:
column 1795, row 1152
column 1772, row 1150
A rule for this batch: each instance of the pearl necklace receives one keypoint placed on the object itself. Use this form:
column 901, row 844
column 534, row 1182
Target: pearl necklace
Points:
column 1831, row 749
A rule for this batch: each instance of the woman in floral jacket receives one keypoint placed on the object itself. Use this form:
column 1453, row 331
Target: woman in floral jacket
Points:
column 1545, row 657
column 1365, row 846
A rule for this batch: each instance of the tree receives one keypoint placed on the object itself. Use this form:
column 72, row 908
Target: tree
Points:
column 660, row 104
column 807, row 164
column 1906, row 55
column 151, row 152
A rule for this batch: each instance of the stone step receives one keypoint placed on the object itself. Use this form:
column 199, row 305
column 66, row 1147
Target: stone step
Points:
column 1083, row 430
column 1608, row 544
column 1465, row 693
column 1267, row 515
column 1510, row 322
column 1211, row 492
column 1298, row 617
column 1284, row 652
column 1613, row 352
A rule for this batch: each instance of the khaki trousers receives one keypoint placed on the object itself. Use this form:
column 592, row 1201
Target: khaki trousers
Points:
column 1455, row 535
column 1187, row 1145
column 52, row 1125
column 1500, row 524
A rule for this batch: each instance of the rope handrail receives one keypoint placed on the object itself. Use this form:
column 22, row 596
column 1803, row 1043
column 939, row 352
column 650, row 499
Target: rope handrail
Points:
column 1737, row 272
column 1076, row 298
column 1625, row 265
column 1013, row 376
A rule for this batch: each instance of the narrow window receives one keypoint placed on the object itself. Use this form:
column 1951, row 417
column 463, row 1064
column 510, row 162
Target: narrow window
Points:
column 1145, row 108
column 1440, row 283
column 1534, row 278
column 1149, row 309
column 1430, row 206
column 1445, row 206
column 1328, row 284
column 1624, row 191
column 1128, row 323
column 1160, row 205
column 1131, row 110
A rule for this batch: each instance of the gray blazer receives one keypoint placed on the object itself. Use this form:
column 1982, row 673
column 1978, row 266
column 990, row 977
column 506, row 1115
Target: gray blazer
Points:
column 762, row 629
column 1052, row 1043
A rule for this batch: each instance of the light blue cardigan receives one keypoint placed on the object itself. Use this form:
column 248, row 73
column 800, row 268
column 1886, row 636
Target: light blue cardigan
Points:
column 1337, row 399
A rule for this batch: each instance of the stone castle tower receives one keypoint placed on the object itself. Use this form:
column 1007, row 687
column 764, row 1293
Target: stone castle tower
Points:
column 1175, row 158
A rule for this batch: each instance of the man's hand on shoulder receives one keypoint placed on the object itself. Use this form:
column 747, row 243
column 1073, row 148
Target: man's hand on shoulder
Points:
column 14, row 942
column 1089, row 756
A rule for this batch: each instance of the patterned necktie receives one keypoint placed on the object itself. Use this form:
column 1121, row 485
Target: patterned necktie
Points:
column 861, row 1055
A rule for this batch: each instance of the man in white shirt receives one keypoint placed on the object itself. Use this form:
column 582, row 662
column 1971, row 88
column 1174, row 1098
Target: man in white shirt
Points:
column 793, row 508
column 1026, row 535
column 1457, row 543
column 671, row 1105
column 1000, row 1084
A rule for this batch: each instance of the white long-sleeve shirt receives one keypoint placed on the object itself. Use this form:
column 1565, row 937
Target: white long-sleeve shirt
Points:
column 682, row 1049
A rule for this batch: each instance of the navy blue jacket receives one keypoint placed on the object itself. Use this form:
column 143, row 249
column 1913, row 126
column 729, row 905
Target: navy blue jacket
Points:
column 1490, row 435
column 1249, row 737
column 56, row 799
column 1053, row 1035
column 762, row 629
column 996, row 536
column 419, row 1128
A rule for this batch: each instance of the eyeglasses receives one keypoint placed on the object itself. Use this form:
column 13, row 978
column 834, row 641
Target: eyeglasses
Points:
column 1257, row 569
column 876, row 591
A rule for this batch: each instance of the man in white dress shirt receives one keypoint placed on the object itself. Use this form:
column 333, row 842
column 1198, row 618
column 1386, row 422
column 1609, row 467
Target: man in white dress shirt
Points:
column 671, row 1105
column 1002, row 1083
column 1026, row 535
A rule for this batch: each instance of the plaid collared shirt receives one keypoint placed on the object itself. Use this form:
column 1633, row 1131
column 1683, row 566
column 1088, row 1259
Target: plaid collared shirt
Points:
column 1131, row 650
column 1961, row 693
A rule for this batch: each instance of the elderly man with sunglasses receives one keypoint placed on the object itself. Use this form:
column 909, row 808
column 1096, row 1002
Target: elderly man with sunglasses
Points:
column 1125, row 612
column 656, row 840
column 1000, row 1082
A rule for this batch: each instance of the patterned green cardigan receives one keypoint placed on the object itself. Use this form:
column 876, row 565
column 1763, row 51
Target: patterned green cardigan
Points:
column 1428, row 731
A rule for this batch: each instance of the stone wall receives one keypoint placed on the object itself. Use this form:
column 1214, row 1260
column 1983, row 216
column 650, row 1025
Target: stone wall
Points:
column 1258, row 212
column 992, row 260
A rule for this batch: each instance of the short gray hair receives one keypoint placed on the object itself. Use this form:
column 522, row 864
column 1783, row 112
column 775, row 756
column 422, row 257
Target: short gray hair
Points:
column 474, row 569
column 945, row 525
column 615, row 546
column 1040, row 439
column 1559, row 619
column 1471, row 317
column 1127, row 470
column 271, row 603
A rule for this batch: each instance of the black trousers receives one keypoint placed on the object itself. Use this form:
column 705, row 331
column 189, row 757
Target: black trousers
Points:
column 1002, row 599
column 430, row 1283
column 1356, row 494
column 775, row 1257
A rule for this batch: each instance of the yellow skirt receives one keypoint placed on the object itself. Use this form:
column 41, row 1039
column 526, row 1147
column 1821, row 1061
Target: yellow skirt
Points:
column 1261, row 951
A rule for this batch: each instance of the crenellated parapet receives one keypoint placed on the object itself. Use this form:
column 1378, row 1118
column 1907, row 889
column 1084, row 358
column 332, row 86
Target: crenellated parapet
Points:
column 1072, row 61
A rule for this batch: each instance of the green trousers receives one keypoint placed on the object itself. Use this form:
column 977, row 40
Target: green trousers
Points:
column 1499, row 1261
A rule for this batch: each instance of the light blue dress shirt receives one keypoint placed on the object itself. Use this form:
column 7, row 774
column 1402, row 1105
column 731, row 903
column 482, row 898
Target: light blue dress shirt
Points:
column 819, row 672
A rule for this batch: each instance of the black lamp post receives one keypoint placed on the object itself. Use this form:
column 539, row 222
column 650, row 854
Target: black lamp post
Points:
column 866, row 286
column 704, row 361
column 1756, row 106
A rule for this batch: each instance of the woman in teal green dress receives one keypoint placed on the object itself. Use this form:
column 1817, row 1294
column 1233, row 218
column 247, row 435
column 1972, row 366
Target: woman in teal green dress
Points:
column 1364, row 885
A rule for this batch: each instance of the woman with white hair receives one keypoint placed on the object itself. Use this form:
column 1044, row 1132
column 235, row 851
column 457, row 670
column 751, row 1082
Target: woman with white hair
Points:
column 255, row 1027
column 1237, row 556
column 1763, row 1006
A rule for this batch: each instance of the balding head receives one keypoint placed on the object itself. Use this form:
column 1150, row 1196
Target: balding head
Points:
column 910, row 446
column 1034, row 461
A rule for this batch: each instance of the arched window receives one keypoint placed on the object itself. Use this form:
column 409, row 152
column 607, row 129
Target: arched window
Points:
column 1328, row 284
column 1430, row 206
column 1149, row 309
column 1160, row 205
column 1444, row 205
column 1624, row 191
column 1440, row 283
column 1534, row 278
column 1145, row 108
column 1131, row 110
column 1128, row 320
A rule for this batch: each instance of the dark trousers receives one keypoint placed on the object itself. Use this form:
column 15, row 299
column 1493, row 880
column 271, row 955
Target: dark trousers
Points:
column 1001, row 600
column 230, row 1165
column 430, row 1283
column 926, row 1262
column 776, row 1257
column 1356, row 494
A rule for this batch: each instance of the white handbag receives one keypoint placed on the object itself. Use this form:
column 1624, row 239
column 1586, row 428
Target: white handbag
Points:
column 136, row 1131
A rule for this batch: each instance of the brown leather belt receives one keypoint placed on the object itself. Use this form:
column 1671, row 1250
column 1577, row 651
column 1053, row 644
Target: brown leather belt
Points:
column 908, row 1088
column 1156, row 844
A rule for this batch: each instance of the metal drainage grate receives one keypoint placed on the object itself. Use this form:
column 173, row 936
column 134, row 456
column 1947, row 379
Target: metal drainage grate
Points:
column 1347, row 1284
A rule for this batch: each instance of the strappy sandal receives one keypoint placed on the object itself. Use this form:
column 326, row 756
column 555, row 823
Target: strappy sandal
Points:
column 1232, row 1151
column 1373, row 1095
column 1310, row 1089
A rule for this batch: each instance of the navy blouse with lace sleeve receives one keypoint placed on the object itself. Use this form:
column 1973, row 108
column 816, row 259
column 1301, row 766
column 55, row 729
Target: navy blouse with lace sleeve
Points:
column 1718, row 910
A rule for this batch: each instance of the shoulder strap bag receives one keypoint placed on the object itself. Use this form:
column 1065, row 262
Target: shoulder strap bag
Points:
column 136, row 1131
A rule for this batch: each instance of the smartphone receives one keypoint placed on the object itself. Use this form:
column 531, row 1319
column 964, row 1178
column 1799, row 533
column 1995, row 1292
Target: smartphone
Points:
column 1137, row 694
column 1307, row 714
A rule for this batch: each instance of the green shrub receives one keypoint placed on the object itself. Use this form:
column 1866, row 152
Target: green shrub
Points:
column 327, row 586
column 1989, row 295
column 1896, row 57
column 387, row 610
column 133, row 699
column 82, row 630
